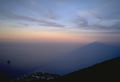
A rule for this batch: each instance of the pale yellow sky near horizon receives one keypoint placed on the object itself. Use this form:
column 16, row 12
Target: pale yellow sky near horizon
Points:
column 42, row 36
column 30, row 35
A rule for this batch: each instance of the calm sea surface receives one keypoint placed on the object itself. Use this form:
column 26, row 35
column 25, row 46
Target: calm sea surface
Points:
column 27, row 57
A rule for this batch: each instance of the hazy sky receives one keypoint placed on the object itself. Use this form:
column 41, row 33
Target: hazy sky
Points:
column 60, row 20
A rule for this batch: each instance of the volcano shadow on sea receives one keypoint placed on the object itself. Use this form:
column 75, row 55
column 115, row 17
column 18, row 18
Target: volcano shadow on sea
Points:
column 81, row 58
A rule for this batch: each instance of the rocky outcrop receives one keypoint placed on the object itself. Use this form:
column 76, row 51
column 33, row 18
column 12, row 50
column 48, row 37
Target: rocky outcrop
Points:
column 37, row 76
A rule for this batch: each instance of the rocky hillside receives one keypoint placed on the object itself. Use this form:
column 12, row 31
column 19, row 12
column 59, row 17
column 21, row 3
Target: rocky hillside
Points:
column 37, row 76
column 107, row 71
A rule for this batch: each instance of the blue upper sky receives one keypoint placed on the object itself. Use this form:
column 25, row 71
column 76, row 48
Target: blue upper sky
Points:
column 73, row 16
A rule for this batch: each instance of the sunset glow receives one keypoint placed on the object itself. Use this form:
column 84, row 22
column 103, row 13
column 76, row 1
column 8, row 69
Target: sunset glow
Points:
column 59, row 21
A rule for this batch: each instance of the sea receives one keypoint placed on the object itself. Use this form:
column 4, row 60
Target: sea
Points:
column 26, row 57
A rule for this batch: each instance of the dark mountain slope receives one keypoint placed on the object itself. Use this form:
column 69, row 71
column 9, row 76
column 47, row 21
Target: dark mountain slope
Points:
column 81, row 58
column 108, row 71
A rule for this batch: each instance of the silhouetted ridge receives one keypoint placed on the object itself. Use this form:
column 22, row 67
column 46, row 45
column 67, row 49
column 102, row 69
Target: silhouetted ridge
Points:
column 102, row 72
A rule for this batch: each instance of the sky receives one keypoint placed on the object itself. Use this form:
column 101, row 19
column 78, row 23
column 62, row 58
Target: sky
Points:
column 60, row 20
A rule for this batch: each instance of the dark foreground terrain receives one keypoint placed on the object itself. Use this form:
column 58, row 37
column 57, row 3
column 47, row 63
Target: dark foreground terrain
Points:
column 102, row 72
column 107, row 71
